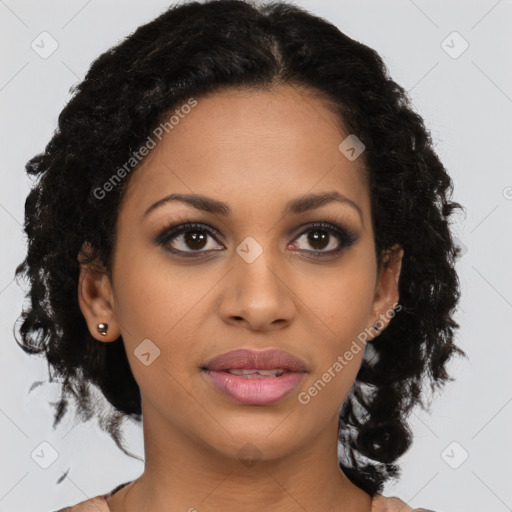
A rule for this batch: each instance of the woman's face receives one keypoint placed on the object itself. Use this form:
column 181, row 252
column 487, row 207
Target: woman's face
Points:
column 264, row 278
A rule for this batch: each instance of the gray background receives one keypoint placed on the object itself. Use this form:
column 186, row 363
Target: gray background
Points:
column 467, row 104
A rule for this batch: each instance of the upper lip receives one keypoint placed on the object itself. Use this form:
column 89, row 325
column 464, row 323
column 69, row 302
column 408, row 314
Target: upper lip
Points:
column 261, row 360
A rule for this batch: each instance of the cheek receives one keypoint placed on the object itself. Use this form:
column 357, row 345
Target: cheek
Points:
column 342, row 302
column 338, row 353
column 153, row 295
column 164, row 303
column 154, row 307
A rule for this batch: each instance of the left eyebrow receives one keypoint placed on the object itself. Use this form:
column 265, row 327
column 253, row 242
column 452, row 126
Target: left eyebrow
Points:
column 200, row 202
column 295, row 206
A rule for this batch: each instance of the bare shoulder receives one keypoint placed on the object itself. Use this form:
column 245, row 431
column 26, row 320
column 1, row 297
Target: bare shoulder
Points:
column 96, row 504
column 382, row 503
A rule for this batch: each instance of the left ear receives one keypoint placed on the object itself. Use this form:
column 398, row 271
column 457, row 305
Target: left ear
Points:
column 386, row 290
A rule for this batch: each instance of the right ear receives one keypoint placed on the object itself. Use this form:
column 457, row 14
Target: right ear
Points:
column 96, row 297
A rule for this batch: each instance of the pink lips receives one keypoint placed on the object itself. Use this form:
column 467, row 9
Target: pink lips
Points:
column 258, row 390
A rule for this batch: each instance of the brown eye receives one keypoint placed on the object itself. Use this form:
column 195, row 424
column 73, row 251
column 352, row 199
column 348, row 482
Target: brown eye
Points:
column 324, row 238
column 319, row 239
column 194, row 239
column 187, row 239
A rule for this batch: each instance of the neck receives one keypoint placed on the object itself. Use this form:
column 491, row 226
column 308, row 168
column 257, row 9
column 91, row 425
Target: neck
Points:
column 183, row 473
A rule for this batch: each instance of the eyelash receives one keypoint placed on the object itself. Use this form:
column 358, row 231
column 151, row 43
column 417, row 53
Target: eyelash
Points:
column 346, row 237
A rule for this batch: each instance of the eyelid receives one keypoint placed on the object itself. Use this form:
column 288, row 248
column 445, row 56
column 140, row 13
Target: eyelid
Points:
column 346, row 235
column 179, row 226
column 335, row 225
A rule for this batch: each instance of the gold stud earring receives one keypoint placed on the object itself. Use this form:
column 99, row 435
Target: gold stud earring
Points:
column 102, row 329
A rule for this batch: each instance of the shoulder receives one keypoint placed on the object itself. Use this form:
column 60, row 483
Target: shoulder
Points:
column 96, row 504
column 381, row 503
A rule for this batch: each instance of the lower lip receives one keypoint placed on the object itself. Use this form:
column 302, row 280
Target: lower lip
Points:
column 255, row 391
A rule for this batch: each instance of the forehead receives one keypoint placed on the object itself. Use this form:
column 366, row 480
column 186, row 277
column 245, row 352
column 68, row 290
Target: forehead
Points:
column 250, row 147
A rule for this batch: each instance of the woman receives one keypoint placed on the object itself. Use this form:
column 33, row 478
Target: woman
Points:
column 240, row 233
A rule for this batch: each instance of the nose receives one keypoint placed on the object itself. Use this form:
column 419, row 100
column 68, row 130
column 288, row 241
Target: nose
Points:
column 256, row 295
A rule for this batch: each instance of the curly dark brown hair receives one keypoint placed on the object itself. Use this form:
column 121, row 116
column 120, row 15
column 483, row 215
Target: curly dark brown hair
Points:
column 201, row 47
